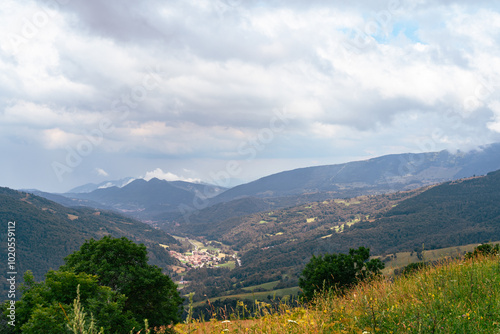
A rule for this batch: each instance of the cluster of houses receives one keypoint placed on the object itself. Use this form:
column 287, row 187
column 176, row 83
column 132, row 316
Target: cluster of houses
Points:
column 197, row 258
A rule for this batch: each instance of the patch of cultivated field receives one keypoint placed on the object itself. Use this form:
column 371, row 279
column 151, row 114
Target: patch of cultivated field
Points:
column 403, row 259
column 263, row 295
column 230, row 264
column 267, row 286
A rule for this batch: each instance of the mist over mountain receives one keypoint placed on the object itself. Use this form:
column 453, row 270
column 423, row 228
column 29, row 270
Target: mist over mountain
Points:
column 89, row 187
column 378, row 175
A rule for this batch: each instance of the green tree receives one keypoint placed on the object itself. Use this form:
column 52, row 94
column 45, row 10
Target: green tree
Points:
column 123, row 266
column 46, row 306
column 338, row 271
column 413, row 268
column 484, row 249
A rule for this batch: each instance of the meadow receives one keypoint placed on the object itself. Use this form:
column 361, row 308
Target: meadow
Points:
column 454, row 296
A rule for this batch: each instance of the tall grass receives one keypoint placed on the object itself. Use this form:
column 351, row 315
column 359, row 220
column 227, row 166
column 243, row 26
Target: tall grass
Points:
column 459, row 296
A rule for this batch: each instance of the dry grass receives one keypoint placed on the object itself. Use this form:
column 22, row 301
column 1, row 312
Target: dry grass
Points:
column 453, row 297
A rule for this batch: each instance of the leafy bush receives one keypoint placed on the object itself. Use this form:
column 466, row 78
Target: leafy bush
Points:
column 338, row 271
column 485, row 249
column 46, row 306
column 411, row 268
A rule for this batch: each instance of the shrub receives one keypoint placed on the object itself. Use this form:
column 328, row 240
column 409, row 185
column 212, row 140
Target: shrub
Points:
column 338, row 271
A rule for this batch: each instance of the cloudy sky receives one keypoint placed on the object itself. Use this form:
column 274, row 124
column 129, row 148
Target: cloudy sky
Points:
column 206, row 90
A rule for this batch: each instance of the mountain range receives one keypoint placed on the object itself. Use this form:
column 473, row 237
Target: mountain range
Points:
column 134, row 197
column 89, row 187
column 172, row 202
column 378, row 175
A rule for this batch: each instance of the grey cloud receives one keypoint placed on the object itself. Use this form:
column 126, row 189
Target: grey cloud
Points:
column 373, row 111
column 122, row 20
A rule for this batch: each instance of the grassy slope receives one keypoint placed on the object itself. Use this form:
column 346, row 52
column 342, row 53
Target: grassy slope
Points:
column 401, row 260
column 453, row 297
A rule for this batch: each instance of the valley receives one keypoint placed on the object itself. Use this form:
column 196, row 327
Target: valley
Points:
column 255, row 247
column 400, row 228
column 234, row 166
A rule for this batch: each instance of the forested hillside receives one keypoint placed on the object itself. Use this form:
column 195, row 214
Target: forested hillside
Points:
column 451, row 214
column 46, row 232
column 274, row 246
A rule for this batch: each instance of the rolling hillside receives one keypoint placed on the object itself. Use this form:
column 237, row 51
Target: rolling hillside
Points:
column 274, row 246
column 451, row 214
column 46, row 232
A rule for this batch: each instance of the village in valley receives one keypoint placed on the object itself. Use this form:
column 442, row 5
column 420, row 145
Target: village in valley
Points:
column 212, row 254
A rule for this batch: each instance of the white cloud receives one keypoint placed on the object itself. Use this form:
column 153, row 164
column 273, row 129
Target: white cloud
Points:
column 56, row 138
column 494, row 125
column 328, row 130
column 101, row 172
column 167, row 176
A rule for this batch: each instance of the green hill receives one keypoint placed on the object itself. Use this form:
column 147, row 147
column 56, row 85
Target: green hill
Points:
column 46, row 232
